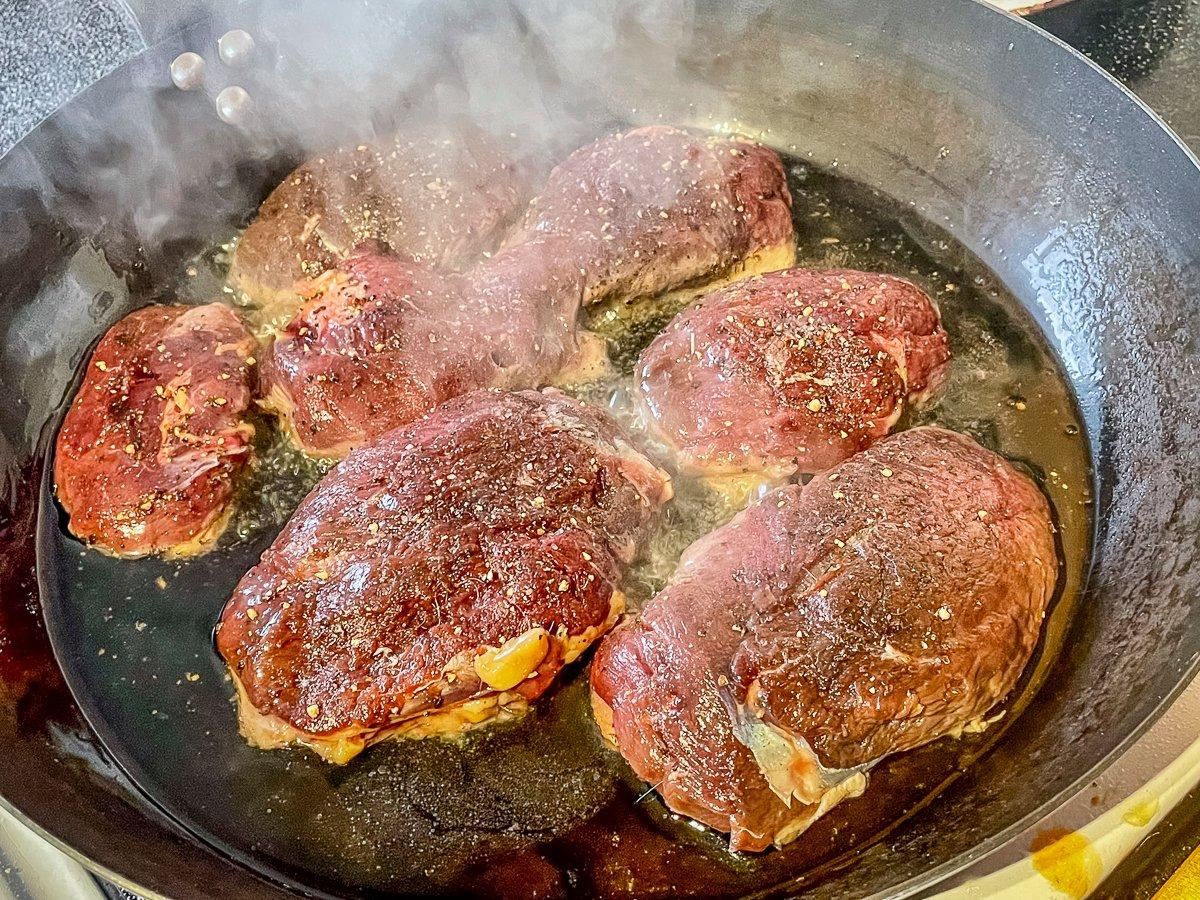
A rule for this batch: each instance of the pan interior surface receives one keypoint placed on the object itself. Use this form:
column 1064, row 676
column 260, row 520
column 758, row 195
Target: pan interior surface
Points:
column 541, row 798
column 1067, row 230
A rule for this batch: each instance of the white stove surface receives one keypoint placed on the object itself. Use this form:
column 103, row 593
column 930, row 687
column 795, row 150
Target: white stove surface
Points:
column 1107, row 820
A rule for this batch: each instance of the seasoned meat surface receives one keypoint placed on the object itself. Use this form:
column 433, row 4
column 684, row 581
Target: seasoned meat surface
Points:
column 441, row 575
column 890, row 601
column 790, row 372
column 148, row 451
column 439, row 199
column 376, row 344
column 653, row 208
column 382, row 339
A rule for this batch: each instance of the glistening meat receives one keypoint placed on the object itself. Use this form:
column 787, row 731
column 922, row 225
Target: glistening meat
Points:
column 149, row 450
column 441, row 576
column 439, row 198
column 790, row 372
column 381, row 340
column 887, row 603
column 644, row 211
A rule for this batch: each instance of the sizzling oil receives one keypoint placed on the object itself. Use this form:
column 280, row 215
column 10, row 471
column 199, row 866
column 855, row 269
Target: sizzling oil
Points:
column 540, row 807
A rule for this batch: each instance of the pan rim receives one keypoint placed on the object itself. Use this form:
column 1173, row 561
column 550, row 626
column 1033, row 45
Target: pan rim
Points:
column 1188, row 673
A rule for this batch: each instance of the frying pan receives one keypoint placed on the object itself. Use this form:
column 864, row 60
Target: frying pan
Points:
column 1069, row 190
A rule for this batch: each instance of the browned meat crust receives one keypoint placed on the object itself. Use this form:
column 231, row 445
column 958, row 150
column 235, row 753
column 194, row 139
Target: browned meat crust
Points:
column 647, row 210
column 441, row 575
column 149, row 449
column 383, row 340
column 376, row 344
column 889, row 602
column 790, row 372
column 434, row 198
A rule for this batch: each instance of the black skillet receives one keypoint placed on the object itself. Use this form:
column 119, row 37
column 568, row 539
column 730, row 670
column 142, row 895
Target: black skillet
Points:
column 1060, row 183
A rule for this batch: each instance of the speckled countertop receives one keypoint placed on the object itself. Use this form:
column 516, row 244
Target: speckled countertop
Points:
column 52, row 49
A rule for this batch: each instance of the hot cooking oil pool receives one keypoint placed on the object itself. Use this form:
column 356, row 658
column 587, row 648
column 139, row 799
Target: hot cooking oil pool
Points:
column 539, row 805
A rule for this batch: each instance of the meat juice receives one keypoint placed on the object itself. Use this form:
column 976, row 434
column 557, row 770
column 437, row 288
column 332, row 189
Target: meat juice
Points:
column 538, row 807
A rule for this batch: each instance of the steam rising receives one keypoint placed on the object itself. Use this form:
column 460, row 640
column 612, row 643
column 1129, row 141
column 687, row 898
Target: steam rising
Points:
column 150, row 175
column 325, row 73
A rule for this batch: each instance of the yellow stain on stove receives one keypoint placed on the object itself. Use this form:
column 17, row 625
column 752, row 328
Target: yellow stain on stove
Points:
column 1067, row 860
column 1141, row 812
column 1185, row 883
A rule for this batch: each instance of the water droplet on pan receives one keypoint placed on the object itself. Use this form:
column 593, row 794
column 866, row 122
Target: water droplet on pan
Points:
column 233, row 105
column 235, row 47
column 187, row 71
